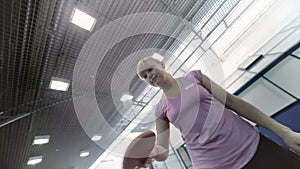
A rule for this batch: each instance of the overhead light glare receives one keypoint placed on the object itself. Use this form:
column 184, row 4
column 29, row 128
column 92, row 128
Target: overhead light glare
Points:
column 126, row 97
column 84, row 153
column 82, row 19
column 38, row 140
column 96, row 137
column 35, row 160
column 59, row 84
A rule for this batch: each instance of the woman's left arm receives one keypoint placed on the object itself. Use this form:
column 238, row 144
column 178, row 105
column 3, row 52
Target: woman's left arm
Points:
column 247, row 110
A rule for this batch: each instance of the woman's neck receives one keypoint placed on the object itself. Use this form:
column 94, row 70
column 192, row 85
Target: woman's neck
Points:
column 171, row 88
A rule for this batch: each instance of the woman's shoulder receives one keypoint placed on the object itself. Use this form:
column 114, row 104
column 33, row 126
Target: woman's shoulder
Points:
column 192, row 75
column 195, row 73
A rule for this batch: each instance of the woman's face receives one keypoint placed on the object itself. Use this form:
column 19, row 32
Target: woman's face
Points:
column 155, row 76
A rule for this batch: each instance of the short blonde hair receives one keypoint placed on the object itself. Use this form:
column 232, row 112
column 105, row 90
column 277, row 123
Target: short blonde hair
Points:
column 146, row 63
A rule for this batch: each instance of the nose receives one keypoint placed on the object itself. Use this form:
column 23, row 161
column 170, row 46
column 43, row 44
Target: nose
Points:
column 149, row 75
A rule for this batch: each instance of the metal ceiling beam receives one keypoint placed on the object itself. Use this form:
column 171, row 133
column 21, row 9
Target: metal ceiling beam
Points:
column 13, row 119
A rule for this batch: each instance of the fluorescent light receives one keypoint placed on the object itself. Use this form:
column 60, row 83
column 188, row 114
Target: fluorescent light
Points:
column 38, row 140
column 82, row 19
column 96, row 137
column 35, row 160
column 59, row 84
column 126, row 97
column 84, row 153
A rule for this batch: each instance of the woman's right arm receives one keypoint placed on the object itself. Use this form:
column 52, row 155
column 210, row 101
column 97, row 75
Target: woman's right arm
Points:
column 160, row 151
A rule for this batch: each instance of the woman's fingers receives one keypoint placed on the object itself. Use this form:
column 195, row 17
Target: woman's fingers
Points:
column 293, row 141
column 148, row 162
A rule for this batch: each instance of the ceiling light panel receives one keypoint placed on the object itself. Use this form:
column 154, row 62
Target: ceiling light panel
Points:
column 38, row 140
column 84, row 153
column 96, row 137
column 35, row 160
column 82, row 19
column 126, row 97
column 59, row 84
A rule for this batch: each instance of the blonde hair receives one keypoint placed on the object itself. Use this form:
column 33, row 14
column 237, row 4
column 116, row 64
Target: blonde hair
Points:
column 146, row 63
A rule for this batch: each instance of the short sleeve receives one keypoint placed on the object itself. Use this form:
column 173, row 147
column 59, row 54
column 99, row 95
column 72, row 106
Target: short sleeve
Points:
column 161, row 111
column 198, row 75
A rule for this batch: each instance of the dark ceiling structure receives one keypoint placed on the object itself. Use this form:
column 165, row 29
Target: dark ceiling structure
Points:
column 39, row 42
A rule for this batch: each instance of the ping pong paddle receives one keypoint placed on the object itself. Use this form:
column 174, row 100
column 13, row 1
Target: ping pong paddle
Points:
column 138, row 150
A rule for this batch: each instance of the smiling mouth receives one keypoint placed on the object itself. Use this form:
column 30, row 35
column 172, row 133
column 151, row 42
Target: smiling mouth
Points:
column 154, row 79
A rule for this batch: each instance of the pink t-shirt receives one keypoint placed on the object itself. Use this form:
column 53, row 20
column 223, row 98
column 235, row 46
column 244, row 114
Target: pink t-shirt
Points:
column 216, row 138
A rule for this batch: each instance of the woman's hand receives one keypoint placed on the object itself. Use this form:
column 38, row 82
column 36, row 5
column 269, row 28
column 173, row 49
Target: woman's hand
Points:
column 149, row 160
column 158, row 153
column 292, row 139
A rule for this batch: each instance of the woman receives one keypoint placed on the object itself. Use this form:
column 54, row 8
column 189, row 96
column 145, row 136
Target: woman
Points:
column 215, row 136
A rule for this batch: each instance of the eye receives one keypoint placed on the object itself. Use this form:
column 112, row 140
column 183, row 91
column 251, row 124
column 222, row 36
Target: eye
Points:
column 144, row 73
